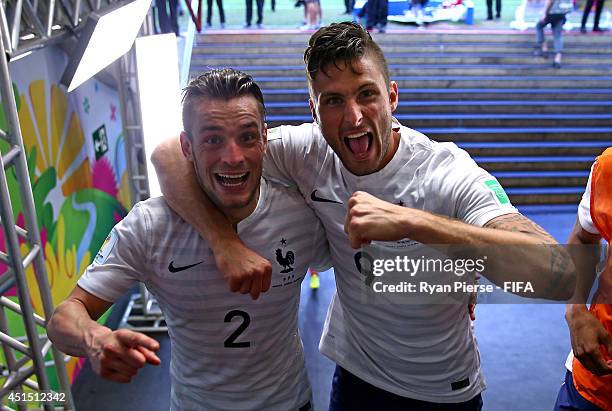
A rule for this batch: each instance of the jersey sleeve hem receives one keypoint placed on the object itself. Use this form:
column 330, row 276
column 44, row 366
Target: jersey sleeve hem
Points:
column 586, row 226
column 584, row 209
column 100, row 292
column 487, row 216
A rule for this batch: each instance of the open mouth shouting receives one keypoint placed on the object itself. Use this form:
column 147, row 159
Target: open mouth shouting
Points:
column 359, row 144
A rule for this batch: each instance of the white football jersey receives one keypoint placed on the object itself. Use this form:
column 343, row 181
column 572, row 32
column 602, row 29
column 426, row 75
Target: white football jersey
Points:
column 425, row 352
column 584, row 209
column 228, row 351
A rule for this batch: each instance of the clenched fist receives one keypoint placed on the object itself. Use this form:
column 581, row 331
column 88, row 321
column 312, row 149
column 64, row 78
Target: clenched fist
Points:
column 244, row 270
column 371, row 219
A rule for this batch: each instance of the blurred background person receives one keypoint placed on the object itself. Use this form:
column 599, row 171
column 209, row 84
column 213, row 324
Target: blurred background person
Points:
column 209, row 13
column 315, row 282
column 490, row 9
column 348, row 6
column 585, row 15
column 312, row 15
column 377, row 15
column 249, row 13
column 417, row 11
column 167, row 17
column 554, row 14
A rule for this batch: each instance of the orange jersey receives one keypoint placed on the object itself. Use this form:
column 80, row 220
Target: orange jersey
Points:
column 598, row 390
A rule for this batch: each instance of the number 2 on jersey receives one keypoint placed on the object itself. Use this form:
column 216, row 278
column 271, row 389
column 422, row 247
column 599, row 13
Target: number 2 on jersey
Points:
column 230, row 342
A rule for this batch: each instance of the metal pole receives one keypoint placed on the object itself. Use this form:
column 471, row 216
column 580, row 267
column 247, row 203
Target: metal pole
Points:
column 16, row 25
column 136, row 121
column 148, row 28
column 9, row 355
column 127, row 134
column 36, row 24
column 12, row 245
column 77, row 11
column 29, row 214
column 50, row 16
column 6, row 37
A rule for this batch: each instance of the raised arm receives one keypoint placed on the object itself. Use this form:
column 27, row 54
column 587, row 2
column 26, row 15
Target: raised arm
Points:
column 114, row 355
column 370, row 218
column 244, row 270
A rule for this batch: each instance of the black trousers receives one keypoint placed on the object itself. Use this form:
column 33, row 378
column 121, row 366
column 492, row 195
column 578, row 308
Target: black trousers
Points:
column 348, row 5
column 167, row 24
column 209, row 11
column 249, row 11
column 587, row 10
column 490, row 8
column 377, row 13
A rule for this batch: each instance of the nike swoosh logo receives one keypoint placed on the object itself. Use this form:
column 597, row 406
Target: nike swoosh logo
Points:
column 174, row 269
column 314, row 197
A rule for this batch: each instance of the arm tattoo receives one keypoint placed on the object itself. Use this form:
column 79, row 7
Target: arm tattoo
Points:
column 561, row 269
column 560, row 266
column 518, row 223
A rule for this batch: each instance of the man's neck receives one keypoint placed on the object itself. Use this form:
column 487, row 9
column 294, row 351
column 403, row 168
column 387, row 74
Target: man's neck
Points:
column 237, row 215
column 395, row 139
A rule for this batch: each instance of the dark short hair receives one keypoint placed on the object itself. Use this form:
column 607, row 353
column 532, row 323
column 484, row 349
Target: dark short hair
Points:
column 225, row 84
column 341, row 43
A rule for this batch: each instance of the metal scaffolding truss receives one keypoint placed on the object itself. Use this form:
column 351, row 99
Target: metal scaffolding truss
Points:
column 142, row 313
column 31, row 24
column 25, row 357
column 129, row 97
column 25, row 26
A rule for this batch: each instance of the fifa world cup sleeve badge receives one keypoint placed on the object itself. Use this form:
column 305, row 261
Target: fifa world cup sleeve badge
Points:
column 107, row 247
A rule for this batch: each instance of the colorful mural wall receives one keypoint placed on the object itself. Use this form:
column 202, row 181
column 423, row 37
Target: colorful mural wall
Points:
column 76, row 160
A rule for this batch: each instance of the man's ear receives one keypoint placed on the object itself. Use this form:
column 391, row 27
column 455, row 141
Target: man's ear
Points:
column 313, row 110
column 186, row 146
column 393, row 95
column 265, row 136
